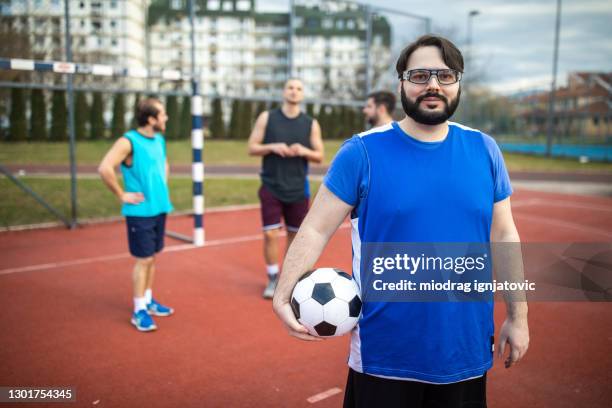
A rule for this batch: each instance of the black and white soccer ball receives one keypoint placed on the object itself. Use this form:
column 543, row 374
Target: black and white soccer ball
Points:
column 327, row 302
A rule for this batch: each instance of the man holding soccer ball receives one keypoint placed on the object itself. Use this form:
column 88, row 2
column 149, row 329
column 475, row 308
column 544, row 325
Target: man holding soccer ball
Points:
column 423, row 179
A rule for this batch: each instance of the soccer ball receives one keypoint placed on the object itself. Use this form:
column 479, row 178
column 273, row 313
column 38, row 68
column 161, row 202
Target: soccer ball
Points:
column 326, row 301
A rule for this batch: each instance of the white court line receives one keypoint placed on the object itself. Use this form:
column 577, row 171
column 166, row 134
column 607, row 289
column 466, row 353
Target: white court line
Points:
column 123, row 255
column 323, row 395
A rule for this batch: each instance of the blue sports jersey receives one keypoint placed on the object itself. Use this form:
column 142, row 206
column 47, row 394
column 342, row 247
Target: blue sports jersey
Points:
column 406, row 190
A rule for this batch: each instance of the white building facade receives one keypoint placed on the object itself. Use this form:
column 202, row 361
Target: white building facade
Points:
column 103, row 31
column 238, row 52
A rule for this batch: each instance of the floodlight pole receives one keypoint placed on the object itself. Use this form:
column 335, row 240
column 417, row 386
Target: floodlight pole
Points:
column 368, row 46
column 69, row 87
column 468, row 67
column 553, row 85
column 291, row 45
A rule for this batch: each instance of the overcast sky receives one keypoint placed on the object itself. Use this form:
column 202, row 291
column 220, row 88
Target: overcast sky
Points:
column 513, row 39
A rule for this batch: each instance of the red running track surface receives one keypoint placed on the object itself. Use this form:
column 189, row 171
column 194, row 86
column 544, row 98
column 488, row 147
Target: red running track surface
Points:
column 65, row 298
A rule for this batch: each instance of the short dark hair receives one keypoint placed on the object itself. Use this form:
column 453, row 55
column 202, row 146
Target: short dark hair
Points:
column 292, row 79
column 385, row 98
column 450, row 53
column 146, row 107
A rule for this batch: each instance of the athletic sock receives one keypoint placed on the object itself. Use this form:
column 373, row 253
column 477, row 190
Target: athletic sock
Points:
column 140, row 303
column 148, row 295
column 272, row 270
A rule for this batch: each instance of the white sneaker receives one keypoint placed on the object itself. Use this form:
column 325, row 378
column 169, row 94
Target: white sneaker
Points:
column 268, row 292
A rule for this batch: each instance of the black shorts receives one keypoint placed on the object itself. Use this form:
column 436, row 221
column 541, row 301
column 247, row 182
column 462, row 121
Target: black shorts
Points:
column 365, row 391
column 272, row 209
column 146, row 235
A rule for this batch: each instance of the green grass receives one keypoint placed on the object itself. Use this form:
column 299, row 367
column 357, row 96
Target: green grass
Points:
column 91, row 152
column 94, row 199
column 234, row 152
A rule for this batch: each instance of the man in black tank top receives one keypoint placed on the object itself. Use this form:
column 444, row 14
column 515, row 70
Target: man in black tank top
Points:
column 287, row 139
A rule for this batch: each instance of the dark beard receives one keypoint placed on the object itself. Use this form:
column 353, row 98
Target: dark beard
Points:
column 413, row 110
column 373, row 121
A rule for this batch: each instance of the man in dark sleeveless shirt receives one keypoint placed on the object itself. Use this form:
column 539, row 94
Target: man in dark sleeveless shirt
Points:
column 287, row 139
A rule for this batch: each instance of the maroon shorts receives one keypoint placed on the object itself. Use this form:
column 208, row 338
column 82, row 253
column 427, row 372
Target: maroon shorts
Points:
column 272, row 209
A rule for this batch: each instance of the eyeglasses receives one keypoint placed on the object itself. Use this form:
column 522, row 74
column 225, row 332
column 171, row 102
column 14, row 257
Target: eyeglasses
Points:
column 422, row 76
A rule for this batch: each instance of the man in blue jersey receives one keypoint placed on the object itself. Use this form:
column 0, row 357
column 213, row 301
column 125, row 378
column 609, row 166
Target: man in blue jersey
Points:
column 287, row 140
column 141, row 153
column 421, row 180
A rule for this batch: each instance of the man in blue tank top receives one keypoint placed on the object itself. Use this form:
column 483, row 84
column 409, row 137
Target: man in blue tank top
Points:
column 145, row 199
column 421, row 180
column 287, row 139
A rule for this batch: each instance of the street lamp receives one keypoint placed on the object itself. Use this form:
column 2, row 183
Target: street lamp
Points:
column 468, row 63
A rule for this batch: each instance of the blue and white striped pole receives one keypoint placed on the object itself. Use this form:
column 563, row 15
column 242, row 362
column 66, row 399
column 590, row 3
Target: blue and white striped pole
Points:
column 197, row 143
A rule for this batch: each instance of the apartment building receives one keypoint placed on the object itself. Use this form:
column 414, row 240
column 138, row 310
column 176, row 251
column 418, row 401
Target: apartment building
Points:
column 583, row 107
column 238, row 51
column 241, row 51
column 103, row 31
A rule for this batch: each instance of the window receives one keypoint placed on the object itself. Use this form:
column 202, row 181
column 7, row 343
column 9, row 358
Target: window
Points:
column 114, row 42
column 312, row 22
column 227, row 6
column 243, row 5
column 113, row 4
column 350, row 24
column 82, row 4
column 113, row 23
column 176, row 5
column 328, row 23
column 82, row 23
column 213, row 4
column 340, row 24
column 96, row 25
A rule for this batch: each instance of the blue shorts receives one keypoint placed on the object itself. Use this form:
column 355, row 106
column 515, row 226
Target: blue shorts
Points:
column 146, row 235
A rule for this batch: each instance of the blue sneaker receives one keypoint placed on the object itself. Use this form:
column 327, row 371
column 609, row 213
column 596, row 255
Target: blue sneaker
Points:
column 143, row 321
column 157, row 309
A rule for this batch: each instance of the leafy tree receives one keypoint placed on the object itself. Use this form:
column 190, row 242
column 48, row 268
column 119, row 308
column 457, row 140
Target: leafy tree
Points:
column 185, row 128
column 235, row 119
column 19, row 127
column 97, row 117
column 217, row 126
column 59, row 117
column 38, row 115
column 173, row 124
column 81, row 116
column 247, row 120
column 261, row 106
column 118, row 124
column 134, row 123
column 310, row 110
